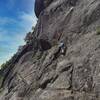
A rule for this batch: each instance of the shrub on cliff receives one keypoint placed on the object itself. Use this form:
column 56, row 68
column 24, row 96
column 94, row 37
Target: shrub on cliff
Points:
column 9, row 62
column 29, row 36
column 98, row 30
column 6, row 64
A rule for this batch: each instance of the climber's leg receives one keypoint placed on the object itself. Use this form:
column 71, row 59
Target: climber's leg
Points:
column 63, row 51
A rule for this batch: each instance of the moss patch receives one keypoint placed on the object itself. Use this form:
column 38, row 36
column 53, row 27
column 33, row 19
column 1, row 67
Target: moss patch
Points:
column 98, row 30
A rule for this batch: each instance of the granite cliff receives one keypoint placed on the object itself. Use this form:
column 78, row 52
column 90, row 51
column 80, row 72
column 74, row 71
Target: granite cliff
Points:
column 34, row 75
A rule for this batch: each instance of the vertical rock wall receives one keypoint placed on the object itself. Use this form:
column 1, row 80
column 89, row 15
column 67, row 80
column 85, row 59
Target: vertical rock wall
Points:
column 75, row 76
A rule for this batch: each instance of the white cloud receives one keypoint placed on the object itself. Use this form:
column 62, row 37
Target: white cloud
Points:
column 14, row 37
column 6, row 20
column 24, row 24
column 28, row 19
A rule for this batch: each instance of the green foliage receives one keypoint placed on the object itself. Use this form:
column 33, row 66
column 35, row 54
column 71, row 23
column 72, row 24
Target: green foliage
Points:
column 98, row 30
column 37, row 56
column 6, row 64
column 29, row 36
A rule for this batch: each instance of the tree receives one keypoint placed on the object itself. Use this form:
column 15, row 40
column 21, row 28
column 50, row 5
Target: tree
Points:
column 28, row 37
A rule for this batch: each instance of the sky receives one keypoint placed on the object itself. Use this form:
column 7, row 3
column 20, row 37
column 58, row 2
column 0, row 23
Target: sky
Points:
column 16, row 19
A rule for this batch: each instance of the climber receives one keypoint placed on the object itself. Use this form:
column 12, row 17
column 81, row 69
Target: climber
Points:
column 61, row 50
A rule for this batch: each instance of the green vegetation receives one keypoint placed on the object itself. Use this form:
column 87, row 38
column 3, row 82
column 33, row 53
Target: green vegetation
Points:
column 98, row 30
column 6, row 64
column 29, row 37
column 38, row 55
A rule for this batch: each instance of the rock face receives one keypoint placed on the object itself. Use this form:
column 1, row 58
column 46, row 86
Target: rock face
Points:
column 35, row 75
column 40, row 5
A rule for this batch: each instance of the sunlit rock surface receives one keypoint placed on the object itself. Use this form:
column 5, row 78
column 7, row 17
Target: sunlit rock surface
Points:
column 34, row 75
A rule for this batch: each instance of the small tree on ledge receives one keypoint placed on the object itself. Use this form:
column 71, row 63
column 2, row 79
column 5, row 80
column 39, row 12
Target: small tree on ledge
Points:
column 29, row 37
